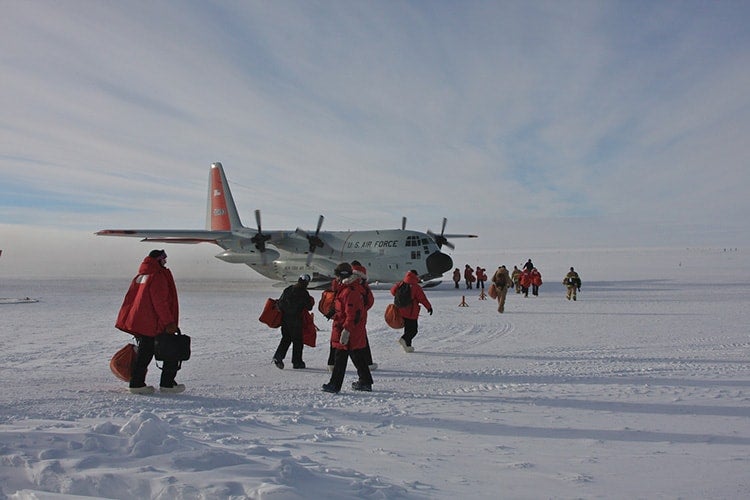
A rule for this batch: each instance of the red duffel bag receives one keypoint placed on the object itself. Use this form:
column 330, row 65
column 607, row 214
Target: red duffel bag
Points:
column 309, row 330
column 271, row 314
column 121, row 363
column 393, row 317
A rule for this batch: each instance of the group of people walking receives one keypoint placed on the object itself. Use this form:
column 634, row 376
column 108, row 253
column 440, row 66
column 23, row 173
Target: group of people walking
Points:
column 352, row 299
column 469, row 278
column 150, row 308
column 527, row 278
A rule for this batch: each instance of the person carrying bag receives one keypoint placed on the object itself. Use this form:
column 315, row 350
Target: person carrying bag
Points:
column 151, row 309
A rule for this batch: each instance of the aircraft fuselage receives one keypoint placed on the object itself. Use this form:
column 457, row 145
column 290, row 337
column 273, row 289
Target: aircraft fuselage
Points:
column 387, row 255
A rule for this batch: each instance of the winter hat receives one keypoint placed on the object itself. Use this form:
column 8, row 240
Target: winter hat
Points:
column 343, row 270
column 359, row 269
column 157, row 254
column 305, row 278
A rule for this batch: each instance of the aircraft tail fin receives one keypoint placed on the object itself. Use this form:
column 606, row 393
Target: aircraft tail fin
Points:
column 221, row 212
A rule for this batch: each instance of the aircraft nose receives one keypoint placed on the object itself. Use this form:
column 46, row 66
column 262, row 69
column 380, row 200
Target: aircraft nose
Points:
column 439, row 263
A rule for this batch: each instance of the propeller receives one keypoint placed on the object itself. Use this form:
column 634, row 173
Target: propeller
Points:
column 259, row 240
column 403, row 223
column 440, row 239
column 313, row 240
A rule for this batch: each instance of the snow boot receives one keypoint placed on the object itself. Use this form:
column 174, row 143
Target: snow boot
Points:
column 175, row 389
column 330, row 388
column 144, row 389
column 359, row 386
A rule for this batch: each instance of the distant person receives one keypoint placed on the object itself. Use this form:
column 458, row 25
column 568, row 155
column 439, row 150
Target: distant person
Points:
column 516, row 277
column 536, row 281
column 481, row 278
column 469, row 276
column 456, row 277
column 573, row 284
column 349, row 333
column 502, row 282
column 295, row 301
column 410, row 311
column 525, row 281
column 151, row 308
column 528, row 266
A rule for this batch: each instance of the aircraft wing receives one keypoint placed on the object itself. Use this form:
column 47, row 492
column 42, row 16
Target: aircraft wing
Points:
column 169, row 235
column 460, row 236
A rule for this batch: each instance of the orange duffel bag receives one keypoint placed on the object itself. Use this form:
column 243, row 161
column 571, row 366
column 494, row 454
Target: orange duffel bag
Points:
column 271, row 314
column 493, row 291
column 393, row 317
column 121, row 363
column 326, row 304
column 309, row 330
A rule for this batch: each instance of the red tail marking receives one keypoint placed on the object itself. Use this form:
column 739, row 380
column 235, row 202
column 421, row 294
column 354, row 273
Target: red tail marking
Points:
column 219, row 213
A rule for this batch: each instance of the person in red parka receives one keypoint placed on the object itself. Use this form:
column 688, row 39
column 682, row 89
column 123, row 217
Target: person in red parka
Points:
column 469, row 276
column 349, row 332
column 481, row 278
column 410, row 313
column 525, row 281
column 151, row 308
column 358, row 270
column 536, row 281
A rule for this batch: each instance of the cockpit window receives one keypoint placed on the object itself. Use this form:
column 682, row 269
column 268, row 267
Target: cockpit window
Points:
column 412, row 241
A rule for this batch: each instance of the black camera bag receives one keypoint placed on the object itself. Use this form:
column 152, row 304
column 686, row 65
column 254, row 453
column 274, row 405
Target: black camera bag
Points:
column 168, row 347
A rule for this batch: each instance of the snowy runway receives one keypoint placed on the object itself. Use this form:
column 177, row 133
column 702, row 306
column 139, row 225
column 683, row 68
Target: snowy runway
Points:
column 641, row 388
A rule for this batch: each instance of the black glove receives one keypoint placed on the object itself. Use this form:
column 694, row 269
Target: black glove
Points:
column 429, row 311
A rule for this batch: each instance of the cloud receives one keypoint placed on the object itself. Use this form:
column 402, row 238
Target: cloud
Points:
column 494, row 115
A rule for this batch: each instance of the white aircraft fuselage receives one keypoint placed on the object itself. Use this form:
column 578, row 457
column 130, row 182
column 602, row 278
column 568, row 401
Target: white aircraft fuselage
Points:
column 283, row 255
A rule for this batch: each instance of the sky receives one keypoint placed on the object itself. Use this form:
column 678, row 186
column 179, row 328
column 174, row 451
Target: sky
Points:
column 532, row 124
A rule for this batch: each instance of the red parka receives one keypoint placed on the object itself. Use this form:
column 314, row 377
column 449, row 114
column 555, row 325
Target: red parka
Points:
column 481, row 276
column 351, row 314
column 525, row 279
column 417, row 297
column 536, row 277
column 469, row 274
column 151, row 302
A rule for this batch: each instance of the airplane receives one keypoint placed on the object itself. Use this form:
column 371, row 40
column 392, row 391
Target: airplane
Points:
column 285, row 255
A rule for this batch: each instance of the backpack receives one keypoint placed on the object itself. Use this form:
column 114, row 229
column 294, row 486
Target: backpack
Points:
column 402, row 298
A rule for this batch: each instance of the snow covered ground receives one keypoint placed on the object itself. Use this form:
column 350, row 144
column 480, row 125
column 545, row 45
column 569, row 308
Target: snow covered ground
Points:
column 640, row 389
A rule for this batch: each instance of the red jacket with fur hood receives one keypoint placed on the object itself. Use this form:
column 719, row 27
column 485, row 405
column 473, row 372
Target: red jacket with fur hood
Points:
column 151, row 302
column 351, row 314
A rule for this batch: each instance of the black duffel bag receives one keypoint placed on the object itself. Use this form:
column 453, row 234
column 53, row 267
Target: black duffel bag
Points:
column 168, row 347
